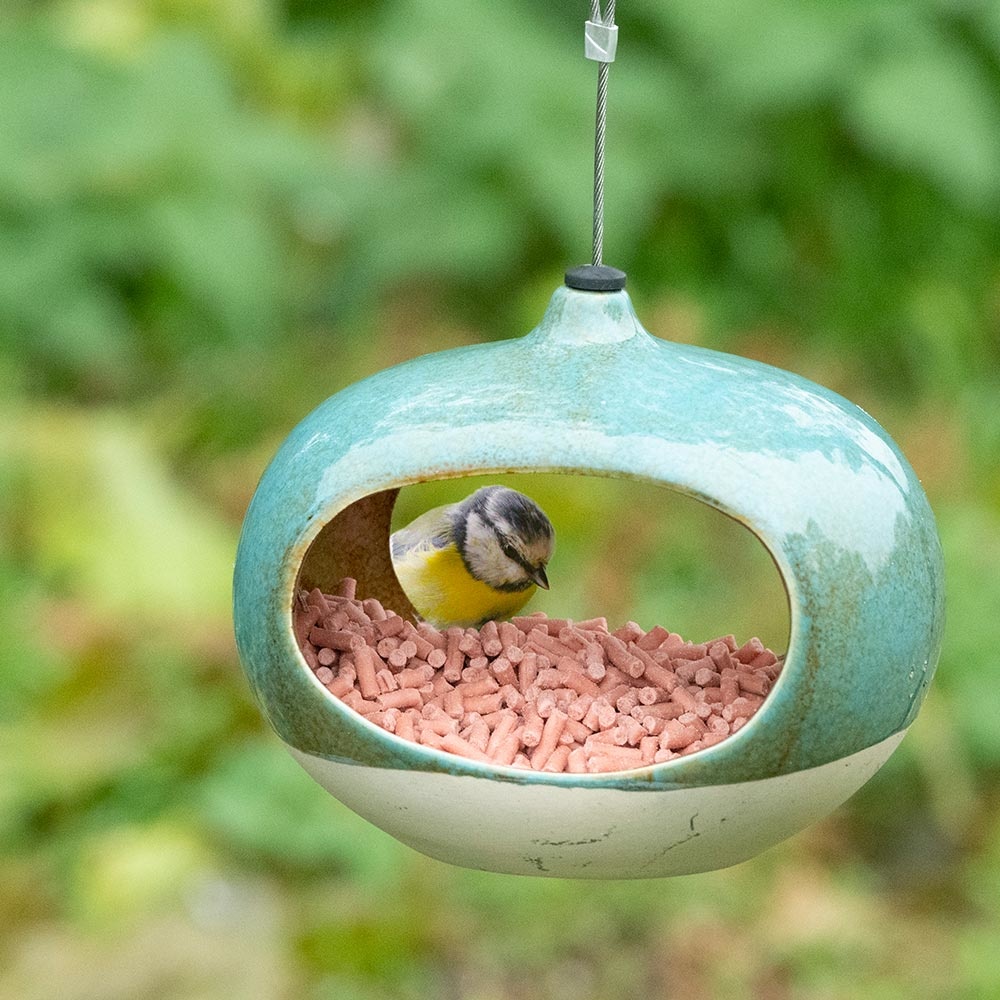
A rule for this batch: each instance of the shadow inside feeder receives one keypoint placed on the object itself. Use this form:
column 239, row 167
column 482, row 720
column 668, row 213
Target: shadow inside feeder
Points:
column 627, row 551
column 355, row 543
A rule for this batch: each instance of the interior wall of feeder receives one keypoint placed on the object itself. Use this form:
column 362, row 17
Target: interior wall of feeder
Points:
column 355, row 543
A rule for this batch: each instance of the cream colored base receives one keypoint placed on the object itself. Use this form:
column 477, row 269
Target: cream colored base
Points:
column 592, row 832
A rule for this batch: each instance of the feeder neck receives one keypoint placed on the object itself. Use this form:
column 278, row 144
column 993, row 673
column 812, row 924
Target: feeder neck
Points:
column 580, row 317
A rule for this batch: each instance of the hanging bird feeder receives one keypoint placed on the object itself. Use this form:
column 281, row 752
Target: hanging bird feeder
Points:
column 590, row 392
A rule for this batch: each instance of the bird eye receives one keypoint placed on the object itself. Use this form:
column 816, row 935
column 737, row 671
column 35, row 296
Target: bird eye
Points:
column 509, row 551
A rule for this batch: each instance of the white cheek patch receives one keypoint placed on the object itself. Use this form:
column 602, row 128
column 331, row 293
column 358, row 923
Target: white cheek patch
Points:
column 495, row 568
column 485, row 557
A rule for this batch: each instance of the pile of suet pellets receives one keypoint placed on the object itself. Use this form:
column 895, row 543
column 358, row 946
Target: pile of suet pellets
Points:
column 534, row 692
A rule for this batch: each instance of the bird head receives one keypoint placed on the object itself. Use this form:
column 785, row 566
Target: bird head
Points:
column 504, row 538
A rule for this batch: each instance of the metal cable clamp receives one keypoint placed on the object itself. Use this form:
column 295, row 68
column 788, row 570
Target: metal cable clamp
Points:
column 600, row 41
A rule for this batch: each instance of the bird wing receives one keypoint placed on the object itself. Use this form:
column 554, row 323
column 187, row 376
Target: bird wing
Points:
column 431, row 530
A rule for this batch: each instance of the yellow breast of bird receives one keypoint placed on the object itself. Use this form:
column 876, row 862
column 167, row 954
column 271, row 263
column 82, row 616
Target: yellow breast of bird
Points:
column 445, row 593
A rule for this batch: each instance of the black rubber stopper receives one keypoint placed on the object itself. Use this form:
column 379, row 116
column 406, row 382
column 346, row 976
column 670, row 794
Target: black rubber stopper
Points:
column 596, row 278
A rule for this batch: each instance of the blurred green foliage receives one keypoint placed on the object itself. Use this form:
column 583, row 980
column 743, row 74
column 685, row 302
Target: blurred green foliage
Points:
column 215, row 214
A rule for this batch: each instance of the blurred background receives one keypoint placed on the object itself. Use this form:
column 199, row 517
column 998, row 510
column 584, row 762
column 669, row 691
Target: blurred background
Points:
column 215, row 214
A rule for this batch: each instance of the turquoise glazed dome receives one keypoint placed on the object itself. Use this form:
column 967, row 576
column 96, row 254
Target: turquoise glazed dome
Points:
column 590, row 392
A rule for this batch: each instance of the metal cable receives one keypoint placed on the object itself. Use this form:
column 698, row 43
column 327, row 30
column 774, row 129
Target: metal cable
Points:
column 600, row 132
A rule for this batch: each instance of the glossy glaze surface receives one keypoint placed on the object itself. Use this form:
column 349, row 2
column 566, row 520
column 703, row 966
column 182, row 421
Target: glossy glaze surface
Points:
column 590, row 392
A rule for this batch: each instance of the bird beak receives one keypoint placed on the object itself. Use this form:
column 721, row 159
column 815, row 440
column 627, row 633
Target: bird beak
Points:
column 538, row 575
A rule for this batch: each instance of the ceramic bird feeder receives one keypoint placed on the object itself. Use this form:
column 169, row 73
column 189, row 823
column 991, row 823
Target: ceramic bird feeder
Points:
column 590, row 392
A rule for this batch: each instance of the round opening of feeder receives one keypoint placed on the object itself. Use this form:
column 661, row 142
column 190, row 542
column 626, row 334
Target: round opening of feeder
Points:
column 661, row 633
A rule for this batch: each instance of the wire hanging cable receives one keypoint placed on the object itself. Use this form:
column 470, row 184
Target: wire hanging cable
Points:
column 600, row 44
column 602, row 37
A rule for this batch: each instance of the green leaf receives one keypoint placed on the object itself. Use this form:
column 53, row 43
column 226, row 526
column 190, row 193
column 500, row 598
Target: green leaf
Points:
column 932, row 111
column 265, row 808
column 970, row 535
column 765, row 54
column 107, row 523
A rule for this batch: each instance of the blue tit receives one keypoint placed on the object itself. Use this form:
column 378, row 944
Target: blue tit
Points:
column 481, row 558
